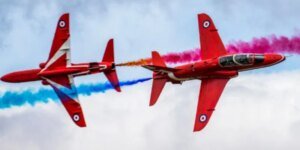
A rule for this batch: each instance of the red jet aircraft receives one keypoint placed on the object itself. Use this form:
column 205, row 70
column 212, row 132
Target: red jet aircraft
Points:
column 58, row 71
column 215, row 69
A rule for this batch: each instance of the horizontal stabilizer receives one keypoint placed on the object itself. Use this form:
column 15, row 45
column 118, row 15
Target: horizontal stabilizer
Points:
column 157, row 87
column 113, row 79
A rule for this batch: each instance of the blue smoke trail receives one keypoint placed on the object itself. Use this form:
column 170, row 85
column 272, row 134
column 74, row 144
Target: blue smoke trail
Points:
column 9, row 99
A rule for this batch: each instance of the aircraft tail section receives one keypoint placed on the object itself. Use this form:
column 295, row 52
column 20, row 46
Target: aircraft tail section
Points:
column 109, row 52
column 158, row 64
column 113, row 79
column 159, row 69
column 111, row 75
column 157, row 60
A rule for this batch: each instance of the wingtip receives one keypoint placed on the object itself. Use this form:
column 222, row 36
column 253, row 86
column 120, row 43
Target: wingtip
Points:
column 65, row 15
column 195, row 130
column 81, row 123
column 118, row 89
column 203, row 18
column 205, row 23
column 82, row 126
column 153, row 99
column 198, row 128
column 203, row 15
column 63, row 22
column 151, row 103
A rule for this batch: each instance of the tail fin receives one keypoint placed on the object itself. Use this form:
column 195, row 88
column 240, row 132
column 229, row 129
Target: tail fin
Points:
column 111, row 75
column 158, row 65
column 157, row 60
column 158, row 83
column 109, row 52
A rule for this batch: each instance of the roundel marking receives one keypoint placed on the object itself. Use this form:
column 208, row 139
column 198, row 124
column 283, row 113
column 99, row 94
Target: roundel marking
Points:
column 76, row 117
column 206, row 24
column 62, row 23
column 202, row 118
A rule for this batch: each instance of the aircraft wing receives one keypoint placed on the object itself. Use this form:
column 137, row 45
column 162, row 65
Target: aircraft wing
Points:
column 210, row 92
column 66, row 91
column 211, row 43
column 60, row 49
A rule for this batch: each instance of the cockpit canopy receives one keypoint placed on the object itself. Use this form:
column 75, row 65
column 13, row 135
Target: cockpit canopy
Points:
column 240, row 60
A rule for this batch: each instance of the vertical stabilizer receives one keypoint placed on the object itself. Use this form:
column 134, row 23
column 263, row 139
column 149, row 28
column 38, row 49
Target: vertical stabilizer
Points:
column 109, row 52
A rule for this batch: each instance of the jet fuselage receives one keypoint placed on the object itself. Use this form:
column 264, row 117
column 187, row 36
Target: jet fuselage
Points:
column 74, row 70
column 226, row 66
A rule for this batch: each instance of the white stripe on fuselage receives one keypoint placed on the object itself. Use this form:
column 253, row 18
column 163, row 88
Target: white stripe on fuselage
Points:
column 81, row 73
column 88, row 71
column 172, row 76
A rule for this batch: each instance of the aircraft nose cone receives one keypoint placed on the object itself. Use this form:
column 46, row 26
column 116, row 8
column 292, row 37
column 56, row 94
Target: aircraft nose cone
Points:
column 273, row 58
column 4, row 78
column 279, row 58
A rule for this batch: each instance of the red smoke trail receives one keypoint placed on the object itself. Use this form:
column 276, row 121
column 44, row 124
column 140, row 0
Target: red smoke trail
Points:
column 270, row 44
column 182, row 57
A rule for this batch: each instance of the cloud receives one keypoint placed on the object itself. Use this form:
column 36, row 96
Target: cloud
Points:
column 256, row 111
